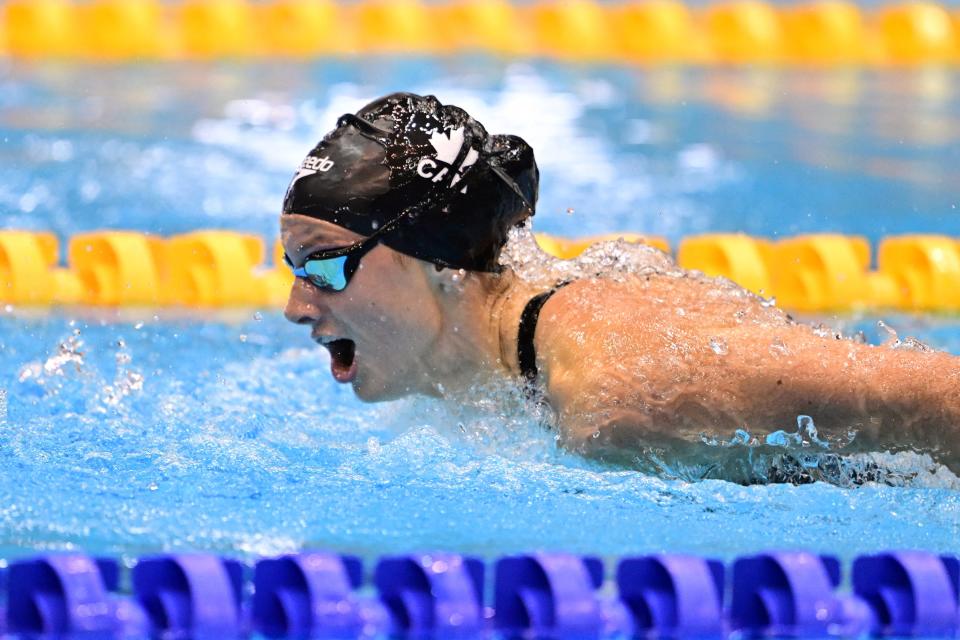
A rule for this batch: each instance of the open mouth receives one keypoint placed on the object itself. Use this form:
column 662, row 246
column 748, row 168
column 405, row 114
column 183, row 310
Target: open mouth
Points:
column 343, row 359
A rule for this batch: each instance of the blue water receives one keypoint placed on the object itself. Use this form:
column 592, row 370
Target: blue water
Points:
column 226, row 432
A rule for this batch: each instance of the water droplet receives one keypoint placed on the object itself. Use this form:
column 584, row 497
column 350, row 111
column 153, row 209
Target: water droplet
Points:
column 778, row 438
column 243, row 337
column 820, row 330
column 138, row 326
column 719, row 346
column 779, row 348
column 31, row 371
column 258, row 316
column 153, row 486
column 892, row 339
column 912, row 344
column 596, row 434
column 570, row 210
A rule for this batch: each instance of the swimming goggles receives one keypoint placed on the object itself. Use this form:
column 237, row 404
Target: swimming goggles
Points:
column 332, row 269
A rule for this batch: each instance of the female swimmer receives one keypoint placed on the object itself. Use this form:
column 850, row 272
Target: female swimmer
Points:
column 394, row 225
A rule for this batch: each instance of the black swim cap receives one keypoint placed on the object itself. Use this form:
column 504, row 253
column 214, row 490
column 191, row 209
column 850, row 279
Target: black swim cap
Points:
column 459, row 189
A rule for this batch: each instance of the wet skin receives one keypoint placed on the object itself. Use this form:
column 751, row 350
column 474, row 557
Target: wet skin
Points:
column 415, row 329
column 647, row 360
column 390, row 331
column 723, row 362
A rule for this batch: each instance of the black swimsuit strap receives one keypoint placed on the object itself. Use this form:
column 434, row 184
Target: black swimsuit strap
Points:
column 526, row 351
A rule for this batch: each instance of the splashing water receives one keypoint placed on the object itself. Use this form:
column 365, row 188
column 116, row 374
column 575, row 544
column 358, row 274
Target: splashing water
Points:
column 125, row 383
column 802, row 456
column 50, row 377
column 893, row 340
column 613, row 259
column 248, row 447
column 49, row 374
column 251, row 448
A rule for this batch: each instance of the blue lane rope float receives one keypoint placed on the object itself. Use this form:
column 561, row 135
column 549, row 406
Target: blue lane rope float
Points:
column 442, row 595
column 218, row 268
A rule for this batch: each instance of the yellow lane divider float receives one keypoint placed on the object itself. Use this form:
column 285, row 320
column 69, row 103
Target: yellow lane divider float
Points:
column 643, row 31
column 123, row 268
column 215, row 268
column 823, row 272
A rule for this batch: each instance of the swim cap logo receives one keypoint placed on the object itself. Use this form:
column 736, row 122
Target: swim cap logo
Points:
column 313, row 164
column 447, row 147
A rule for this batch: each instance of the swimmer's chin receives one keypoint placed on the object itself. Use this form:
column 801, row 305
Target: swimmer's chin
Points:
column 371, row 393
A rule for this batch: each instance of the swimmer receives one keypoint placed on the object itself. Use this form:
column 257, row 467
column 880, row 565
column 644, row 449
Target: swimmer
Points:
column 395, row 223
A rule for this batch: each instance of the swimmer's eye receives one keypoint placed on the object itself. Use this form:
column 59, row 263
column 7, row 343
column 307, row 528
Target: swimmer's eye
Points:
column 331, row 270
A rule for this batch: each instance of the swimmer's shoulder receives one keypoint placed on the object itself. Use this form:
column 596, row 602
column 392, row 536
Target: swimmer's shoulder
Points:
column 571, row 322
column 592, row 323
column 575, row 324
column 571, row 305
column 585, row 304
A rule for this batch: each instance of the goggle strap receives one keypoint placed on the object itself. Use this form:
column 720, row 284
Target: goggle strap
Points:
column 366, row 127
column 510, row 182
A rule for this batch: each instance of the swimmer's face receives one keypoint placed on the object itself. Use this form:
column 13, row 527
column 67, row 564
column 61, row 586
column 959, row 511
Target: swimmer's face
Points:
column 380, row 330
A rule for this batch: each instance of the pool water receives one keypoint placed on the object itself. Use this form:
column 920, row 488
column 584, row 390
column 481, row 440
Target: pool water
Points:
column 139, row 430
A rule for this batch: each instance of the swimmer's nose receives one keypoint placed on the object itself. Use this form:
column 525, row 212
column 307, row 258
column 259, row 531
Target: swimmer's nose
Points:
column 301, row 307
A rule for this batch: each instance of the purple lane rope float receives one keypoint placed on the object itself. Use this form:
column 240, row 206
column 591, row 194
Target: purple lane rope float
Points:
column 445, row 595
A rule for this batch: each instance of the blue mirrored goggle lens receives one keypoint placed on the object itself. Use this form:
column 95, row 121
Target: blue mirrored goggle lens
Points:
column 328, row 274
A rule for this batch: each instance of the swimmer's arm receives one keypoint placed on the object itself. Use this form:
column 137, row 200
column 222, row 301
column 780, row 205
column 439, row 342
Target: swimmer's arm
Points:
column 890, row 398
column 767, row 377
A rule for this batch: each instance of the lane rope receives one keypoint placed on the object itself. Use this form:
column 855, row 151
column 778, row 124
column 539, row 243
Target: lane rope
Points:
column 821, row 32
column 219, row 268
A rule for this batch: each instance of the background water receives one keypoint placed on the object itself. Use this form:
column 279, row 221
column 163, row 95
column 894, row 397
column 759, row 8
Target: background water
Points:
column 129, row 432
